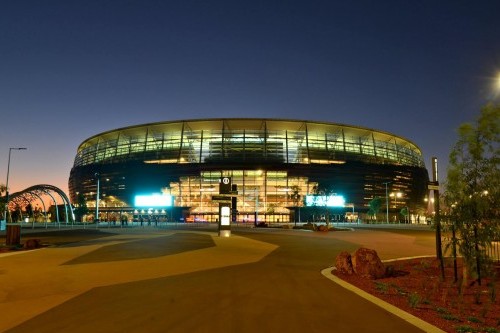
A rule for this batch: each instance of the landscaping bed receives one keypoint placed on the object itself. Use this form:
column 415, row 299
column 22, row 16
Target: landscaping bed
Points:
column 416, row 287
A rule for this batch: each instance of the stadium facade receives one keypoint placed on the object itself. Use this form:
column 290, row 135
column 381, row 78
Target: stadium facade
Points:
column 275, row 164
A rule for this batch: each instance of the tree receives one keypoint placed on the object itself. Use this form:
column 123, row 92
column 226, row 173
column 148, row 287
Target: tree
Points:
column 473, row 190
column 322, row 192
column 2, row 200
column 405, row 214
column 374, row 205
column 29, row 210
column 81, row 207
column 295, row 196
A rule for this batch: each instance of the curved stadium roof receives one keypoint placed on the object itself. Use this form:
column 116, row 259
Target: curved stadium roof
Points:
column 283, row 140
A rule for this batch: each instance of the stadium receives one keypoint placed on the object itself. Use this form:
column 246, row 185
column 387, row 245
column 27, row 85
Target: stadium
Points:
column 281, row 170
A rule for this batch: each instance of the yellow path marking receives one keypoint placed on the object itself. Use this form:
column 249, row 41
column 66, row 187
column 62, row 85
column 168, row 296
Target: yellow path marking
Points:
column 36, row 281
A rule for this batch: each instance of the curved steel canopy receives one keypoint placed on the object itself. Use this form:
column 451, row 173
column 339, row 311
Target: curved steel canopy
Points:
column 33, row 193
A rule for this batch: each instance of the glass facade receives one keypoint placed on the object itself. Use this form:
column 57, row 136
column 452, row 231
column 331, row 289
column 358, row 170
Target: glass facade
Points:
column 219, row 140
column 266, row 194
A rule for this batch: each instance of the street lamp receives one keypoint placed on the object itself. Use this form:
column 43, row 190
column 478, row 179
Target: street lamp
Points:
column 396, row 196
column 7, row 183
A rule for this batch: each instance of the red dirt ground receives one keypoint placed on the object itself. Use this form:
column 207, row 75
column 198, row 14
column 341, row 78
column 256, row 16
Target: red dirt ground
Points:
column 417, row 288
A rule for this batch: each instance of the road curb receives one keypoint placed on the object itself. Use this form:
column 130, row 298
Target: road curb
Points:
column 423, row 325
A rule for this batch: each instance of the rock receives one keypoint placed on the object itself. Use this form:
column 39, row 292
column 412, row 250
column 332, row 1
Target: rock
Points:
column 390, row 271
column 32, row 244
column 322, row 228
column 366, row 263
column 343, row 263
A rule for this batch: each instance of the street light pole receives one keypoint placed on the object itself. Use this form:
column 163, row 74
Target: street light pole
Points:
column 97, row 200
column 7, row 183
column 437, row 216
column 386, row 203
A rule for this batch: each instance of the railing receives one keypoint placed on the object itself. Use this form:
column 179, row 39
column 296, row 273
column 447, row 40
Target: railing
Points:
column 493, row 251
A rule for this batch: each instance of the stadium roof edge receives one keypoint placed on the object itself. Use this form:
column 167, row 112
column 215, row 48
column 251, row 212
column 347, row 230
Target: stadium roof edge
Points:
column 225, row 119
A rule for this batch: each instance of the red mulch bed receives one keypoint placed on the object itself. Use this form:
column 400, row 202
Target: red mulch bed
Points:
column 417, row 288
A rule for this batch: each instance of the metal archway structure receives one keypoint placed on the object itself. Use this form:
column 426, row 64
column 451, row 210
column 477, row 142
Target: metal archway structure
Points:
column 35, row 193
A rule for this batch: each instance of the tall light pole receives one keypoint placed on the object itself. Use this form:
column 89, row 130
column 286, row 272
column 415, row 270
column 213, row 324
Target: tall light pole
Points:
column 97, row 200
column 437, row 216
column 7, row 183
column 386, row 203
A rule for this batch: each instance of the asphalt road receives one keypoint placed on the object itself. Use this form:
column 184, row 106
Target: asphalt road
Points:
column 147, row 280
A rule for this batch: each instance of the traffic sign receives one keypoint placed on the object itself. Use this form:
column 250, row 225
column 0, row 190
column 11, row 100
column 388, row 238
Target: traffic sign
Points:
column 433, row 186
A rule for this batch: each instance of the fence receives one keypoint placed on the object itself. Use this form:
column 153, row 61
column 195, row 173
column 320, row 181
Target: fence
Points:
column 493, row 251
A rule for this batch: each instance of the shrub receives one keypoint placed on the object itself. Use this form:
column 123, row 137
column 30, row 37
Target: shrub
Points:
column 413, row 300
column 381, row 287
column 465, row 329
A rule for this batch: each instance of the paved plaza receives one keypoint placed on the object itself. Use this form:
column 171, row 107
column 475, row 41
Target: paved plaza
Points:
column 191, row 280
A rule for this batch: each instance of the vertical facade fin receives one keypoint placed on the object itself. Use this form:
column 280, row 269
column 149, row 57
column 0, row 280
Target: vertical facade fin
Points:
column 179, row 155
column 201, row 147
column 286, row 145
column 307, row 145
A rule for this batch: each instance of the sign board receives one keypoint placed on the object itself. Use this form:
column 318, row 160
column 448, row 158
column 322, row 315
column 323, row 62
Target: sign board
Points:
column 325, row 201
column 433, row 186
column 153, row 200
column 225, row 185
column 225, row 213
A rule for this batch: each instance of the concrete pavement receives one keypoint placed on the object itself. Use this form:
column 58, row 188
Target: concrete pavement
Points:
column 137, row 280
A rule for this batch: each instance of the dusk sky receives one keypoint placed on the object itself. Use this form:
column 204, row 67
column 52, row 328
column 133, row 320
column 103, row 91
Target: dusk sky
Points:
column 72, row 69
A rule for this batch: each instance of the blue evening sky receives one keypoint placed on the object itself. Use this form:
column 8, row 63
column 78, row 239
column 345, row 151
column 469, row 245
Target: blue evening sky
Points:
column 72, row 69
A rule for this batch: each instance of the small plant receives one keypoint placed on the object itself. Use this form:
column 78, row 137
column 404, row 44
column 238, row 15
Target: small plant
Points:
column 414, row 300
column 450, row 317
column 399, row 290
column 474, row 320
column 465, row 329
column 490, row 330
column 442, row 310
column 492, row 292
column 424, row 264
column 381, row 287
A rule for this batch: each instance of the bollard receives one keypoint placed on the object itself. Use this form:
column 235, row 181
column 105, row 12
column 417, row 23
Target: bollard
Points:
column 13, row 235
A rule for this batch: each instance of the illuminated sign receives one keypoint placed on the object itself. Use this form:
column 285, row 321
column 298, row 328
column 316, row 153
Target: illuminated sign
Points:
column 225, row 213
column 225, row 185
column 153, row 200
column 323, row 200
